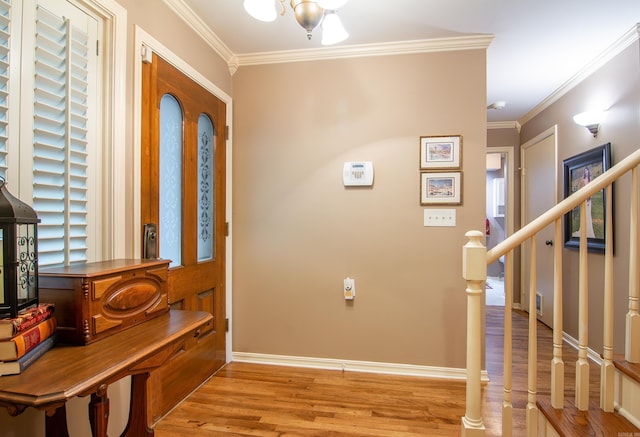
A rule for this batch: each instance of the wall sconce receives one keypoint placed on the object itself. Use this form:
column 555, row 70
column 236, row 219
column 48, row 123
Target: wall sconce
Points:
column 591, row 120
column 19, row 254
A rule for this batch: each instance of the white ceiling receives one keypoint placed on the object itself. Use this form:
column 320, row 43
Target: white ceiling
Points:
column 537, row 46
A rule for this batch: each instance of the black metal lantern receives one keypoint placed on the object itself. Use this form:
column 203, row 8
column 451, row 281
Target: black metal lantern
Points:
column 19, row 252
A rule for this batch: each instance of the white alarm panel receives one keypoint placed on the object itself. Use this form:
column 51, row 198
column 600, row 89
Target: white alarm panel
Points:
column 358, row 174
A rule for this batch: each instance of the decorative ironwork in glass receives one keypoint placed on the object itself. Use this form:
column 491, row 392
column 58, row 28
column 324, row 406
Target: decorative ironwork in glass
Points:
column 170, row 226
column 206, row 185
column 27, row 262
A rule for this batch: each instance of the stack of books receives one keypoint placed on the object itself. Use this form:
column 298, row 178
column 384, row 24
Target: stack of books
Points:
column 25, row 338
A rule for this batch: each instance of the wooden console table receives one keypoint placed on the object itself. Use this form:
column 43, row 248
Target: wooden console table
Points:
column 69, row 371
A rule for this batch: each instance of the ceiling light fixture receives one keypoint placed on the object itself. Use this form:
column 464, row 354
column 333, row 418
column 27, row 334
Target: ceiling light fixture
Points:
column 591, row 120
column 308, row 13
column 497, row 105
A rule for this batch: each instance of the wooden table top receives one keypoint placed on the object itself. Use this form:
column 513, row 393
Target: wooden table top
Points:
column 68, row 371
column 100, row 268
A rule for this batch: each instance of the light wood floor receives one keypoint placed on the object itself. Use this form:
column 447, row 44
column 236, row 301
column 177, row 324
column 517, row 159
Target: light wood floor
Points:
column 262, row 400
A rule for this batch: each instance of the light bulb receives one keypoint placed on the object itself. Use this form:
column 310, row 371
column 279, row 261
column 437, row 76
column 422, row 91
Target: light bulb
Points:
column 331, row 4
column 589, row 117
column 333, row 31
column 263, row 10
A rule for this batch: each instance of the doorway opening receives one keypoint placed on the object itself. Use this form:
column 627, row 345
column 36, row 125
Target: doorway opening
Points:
column 497, row 218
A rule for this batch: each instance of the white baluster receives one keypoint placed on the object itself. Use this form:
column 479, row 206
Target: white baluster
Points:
column 607, row 369
column 632, row 346
column 532, row 380
column 474, row 271
column 507, row 406
column 557, row 364
column 582, row 364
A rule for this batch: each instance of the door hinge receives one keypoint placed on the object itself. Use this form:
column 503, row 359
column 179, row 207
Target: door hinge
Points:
column 226, row 133
column 147, row 54
column 226, row 229
column 226, row 325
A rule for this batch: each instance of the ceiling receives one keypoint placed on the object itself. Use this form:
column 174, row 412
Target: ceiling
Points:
column 537, row 46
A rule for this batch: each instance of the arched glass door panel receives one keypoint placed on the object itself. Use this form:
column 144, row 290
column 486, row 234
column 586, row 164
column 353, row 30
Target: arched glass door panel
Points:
column 170, row 226
column 206, row 189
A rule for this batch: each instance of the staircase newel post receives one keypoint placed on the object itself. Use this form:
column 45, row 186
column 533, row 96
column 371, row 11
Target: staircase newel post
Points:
column 474, row 271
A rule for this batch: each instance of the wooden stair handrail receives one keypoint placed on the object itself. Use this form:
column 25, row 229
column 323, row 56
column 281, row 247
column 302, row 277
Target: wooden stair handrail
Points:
column 575, row 199
column 476, row 258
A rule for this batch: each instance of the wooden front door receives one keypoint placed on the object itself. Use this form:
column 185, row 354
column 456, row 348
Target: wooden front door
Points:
column 183, row 199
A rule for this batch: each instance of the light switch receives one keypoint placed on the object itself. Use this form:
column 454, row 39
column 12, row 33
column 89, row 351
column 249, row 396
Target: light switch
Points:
column 439, row 217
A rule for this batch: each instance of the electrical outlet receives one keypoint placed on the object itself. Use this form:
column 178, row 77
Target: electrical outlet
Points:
column 439, row 217
column 349, row 288
column 539, row 303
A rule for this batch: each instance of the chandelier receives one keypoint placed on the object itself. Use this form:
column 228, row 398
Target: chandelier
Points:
column 308, row 13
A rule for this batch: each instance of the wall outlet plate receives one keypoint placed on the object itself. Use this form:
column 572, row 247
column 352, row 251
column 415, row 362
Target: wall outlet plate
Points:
column 349, row 288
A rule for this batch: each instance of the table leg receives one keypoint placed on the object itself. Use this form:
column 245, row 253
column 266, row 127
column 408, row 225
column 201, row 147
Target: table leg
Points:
column 55, row 424
column 137, row 425
column 99, row 412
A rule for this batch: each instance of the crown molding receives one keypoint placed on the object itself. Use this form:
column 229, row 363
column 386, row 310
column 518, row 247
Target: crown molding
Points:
column 234, row 61
column 191, row 19
column 504, row 125
column 362, row 50
column 630, row 37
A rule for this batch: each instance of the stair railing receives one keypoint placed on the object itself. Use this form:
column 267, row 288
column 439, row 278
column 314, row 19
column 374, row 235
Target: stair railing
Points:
column 476, row 258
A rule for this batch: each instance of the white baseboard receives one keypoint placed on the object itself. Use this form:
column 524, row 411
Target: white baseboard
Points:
column 627, row 415
column 356, row 366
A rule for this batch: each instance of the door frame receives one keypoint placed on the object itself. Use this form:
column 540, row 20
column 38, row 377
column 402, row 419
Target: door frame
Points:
column 144, row 44
column 552, row 131
column 509, row 152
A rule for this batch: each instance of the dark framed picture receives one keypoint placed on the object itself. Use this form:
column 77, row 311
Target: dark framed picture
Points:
column 579, row 170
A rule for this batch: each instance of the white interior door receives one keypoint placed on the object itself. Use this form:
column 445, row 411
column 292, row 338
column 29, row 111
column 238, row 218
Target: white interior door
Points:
column 539, row 193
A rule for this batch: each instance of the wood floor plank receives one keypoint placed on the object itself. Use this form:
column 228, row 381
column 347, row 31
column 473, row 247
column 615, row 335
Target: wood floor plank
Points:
column 252, row 399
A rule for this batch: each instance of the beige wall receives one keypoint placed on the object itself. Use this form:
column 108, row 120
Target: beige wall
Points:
column 617, row 86
column 297, row 232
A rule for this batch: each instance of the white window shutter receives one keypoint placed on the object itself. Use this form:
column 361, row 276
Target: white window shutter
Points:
column 5, row 36
column 78, row 145
column 60, row 146
column 51, row 120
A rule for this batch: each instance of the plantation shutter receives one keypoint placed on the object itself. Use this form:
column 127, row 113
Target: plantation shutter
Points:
column 5, row 9
column 60, row 138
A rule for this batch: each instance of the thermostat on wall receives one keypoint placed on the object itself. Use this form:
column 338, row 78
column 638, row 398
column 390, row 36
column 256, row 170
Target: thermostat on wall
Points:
column 358, row 174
